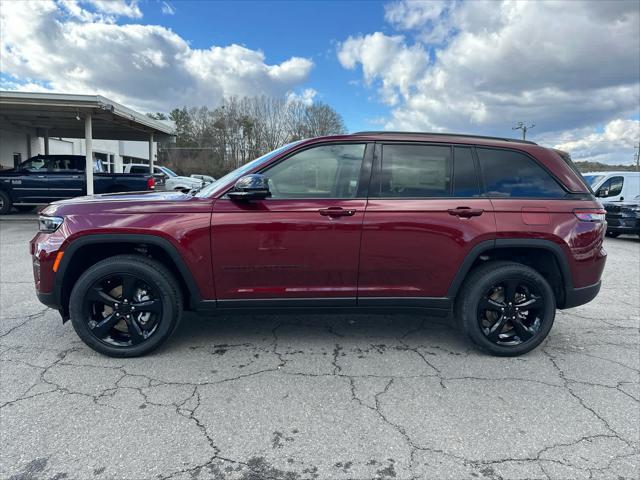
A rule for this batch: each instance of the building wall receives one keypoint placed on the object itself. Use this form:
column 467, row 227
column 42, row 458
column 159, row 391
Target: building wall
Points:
column 16, row 141
column 116, row 152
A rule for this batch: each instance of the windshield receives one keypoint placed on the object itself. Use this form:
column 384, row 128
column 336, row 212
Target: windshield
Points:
column 593, row 179
column 238, row 172
column 168, row 172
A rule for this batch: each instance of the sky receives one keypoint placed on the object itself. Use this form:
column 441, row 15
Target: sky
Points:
column 571, row 67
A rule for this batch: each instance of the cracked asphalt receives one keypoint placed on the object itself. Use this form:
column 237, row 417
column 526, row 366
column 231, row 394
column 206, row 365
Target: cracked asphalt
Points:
column 327, row 397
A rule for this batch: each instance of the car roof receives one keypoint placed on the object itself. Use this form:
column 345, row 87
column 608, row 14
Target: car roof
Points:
column 437, row 136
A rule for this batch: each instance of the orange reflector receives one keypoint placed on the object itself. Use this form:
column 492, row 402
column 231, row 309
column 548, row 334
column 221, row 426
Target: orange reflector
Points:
column 56, row 262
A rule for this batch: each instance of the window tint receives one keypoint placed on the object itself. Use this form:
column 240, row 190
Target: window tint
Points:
column 63, row 164
column 611, row 188
column 138, row 169
column 328, row 171
column 420, row 171
column 465, row 181
column 36, row 164
column 509, row 174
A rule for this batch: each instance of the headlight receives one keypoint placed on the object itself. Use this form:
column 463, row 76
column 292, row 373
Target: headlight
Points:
column 49, row 224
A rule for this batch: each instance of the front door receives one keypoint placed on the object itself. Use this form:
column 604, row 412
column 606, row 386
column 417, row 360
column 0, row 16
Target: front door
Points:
column 31, row 185
column 301, row 245
column 424, row 215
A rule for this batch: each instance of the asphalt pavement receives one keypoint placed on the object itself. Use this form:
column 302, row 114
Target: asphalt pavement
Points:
column 318, row 396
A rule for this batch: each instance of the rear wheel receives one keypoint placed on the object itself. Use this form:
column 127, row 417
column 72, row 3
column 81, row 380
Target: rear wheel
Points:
column 5, row 203
column 506, row 308
column 125, row 306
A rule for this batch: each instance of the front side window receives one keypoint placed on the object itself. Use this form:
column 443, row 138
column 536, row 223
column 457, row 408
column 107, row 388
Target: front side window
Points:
column 611, row 188
column 415, row 171
column 509, row 174
column 327, row 171
column 36, row 164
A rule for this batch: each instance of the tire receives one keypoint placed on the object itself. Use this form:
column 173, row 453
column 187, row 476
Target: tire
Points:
column 5, row 203
column 492, row 329
column 613, row 234
column 103, row 326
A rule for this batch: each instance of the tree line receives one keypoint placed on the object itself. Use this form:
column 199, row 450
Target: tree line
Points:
column 216, row 140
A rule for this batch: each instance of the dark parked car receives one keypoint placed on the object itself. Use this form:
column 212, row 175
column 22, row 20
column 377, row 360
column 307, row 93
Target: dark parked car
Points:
column 623, row 217
column 45, row 178
column 497, row 232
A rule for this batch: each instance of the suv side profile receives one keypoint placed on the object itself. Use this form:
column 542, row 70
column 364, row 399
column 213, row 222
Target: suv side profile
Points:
column 498, row 233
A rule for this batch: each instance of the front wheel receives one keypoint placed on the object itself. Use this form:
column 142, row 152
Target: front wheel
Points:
column 5, row 203
column 125, row 306
column 506, row 308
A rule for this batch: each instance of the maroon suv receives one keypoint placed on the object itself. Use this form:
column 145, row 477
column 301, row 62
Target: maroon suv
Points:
column 498, row 232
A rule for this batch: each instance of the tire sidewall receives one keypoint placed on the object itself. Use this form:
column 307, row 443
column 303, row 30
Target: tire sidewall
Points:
column 6, row 203
column 147, row 273
column 478, row 286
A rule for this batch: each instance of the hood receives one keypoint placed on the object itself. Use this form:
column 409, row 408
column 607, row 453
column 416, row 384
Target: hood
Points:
column 129, row 203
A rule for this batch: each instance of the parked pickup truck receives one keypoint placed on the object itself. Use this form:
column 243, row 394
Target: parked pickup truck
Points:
column 45, row 178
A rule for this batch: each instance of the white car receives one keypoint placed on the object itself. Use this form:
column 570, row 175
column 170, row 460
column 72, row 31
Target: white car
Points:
column 172, row 181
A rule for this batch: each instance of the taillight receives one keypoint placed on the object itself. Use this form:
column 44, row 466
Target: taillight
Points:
column 590, row 214
column 151, row 183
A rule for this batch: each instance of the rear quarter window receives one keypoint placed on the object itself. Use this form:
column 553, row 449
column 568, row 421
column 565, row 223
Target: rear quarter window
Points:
column 510, row 174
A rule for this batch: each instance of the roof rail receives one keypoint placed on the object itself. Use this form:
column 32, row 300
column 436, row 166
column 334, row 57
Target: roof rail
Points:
column 438, row 134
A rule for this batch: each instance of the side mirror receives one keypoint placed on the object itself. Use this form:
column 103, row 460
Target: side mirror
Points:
column 251, row 187
column 602, row 192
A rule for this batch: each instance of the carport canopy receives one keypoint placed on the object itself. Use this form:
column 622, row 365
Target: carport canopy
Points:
column 80, row 116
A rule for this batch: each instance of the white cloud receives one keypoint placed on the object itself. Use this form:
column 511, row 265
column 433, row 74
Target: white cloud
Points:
column 480, row 66
column 306, row 97
column 168, row 9
column 615, row 144
column 148, row 67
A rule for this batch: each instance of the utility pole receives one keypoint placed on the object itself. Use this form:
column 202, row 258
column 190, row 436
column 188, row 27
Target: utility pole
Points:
column 524, row 128
column 637, row 155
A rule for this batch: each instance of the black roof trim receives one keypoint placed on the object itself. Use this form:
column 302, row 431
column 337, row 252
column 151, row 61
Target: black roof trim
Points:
column 438, row 134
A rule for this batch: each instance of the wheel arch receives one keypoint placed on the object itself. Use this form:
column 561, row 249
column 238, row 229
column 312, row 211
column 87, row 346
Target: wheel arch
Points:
column 90, row 249
column 545, row 256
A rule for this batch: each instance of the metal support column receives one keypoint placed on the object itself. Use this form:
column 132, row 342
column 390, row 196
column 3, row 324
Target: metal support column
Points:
column 88, row 136
column 46, row 141
column 151, row 160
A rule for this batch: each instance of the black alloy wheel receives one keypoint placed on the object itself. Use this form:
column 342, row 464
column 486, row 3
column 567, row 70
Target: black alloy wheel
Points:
column 125, row 306
column 511, row 312
column 122, row 310
column 505, row 308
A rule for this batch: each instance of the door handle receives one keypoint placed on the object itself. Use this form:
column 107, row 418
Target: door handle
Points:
column 336, row 212
column 465, row 212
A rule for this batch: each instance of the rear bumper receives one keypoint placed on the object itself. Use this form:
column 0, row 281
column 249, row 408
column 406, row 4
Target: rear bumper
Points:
column 579, row 296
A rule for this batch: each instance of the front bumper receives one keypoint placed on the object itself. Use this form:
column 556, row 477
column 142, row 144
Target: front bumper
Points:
column 579, row 296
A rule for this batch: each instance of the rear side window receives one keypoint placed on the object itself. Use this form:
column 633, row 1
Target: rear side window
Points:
column 509, row 174
column 139, row 169
column 465, row 181
column 63, row 164
column 415, row 171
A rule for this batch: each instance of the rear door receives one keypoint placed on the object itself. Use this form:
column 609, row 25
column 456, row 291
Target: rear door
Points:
column 300, row 246
column 66, row 177
column 424, row 214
